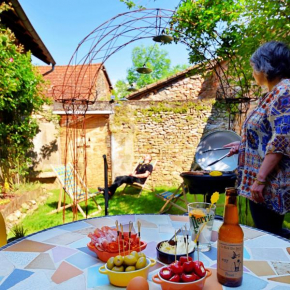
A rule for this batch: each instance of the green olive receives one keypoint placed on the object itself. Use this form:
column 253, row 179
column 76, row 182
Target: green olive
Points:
column 118, row 260
column 141, row 263
column 110, row 263
column 130, row 269
column 118, row 269
column 135, row 254
column 130, row 260
column 140, row 254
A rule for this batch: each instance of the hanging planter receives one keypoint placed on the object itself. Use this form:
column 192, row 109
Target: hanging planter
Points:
column 163, row 38
column 144, row 70
column 131, row 89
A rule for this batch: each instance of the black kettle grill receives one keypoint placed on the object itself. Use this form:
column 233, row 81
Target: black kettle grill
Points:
column 208, row 151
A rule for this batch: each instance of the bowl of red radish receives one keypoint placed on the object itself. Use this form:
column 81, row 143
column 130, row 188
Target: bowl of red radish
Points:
column 184, row 274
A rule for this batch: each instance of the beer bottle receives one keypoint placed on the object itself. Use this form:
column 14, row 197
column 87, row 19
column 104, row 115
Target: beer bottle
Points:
column 230, row 244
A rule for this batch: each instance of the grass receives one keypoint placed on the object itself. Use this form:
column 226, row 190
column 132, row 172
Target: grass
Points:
column 118, row 205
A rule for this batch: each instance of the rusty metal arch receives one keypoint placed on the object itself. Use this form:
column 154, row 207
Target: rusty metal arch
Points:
column 98, row 46
column 101, row 44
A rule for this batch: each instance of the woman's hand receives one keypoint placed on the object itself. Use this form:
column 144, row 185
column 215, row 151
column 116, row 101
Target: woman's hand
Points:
column 234, row 148
column 257, row 191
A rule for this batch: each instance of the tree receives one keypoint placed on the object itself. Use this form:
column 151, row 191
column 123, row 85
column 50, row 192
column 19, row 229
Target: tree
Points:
column 21, row 96
column 152, row 57
column 216, row 31
column 230, row 31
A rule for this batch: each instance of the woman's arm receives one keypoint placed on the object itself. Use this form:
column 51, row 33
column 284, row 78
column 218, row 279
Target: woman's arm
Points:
column 234, row 148
column 270, row 162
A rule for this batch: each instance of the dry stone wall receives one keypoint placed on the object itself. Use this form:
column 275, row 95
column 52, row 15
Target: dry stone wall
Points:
column 180, row 89
column 169, row 133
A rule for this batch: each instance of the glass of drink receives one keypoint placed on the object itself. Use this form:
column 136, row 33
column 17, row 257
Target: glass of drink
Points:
column 201, row 217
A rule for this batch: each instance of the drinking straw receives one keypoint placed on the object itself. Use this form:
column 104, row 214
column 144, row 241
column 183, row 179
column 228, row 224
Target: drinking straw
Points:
column 130, row 228
column 118, row 232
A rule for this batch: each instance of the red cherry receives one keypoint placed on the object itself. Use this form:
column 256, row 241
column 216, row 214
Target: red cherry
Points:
column 188, row 267
column 166, row 273
column 199, row 268
column 175, row 278
column 184, row 259
column 176, row 268
column 189, row 277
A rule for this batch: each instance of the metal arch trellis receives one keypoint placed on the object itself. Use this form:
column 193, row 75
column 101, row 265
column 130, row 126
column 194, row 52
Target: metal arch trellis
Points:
column 107, row 39
column 79, row 90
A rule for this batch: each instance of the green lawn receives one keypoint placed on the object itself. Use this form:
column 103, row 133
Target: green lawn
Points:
column 119, row 204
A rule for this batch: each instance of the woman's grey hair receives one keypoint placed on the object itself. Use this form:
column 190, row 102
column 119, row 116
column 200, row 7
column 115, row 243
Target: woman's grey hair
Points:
column 273, row 59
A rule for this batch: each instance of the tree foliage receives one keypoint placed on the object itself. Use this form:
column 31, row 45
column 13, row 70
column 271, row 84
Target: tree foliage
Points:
column 152, row 57
column 21, row 95
column 217, row 30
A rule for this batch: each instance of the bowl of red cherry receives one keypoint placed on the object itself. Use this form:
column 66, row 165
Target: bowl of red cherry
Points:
column 184, row 274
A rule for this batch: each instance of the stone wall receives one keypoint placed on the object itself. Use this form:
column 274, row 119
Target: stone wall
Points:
column 169, row 133
column 98, row 143
column 102, row 87
column 183, row 87
column 168, row 122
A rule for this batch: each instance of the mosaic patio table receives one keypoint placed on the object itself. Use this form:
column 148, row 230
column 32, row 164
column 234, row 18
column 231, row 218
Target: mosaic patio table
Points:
column 58, row 258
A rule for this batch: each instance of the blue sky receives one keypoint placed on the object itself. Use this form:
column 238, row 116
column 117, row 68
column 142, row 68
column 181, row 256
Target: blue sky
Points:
column 63, row 24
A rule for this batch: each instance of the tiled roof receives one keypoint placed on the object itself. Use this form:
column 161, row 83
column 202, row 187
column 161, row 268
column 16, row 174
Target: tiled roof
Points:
column 17, row 21
column 73, row 81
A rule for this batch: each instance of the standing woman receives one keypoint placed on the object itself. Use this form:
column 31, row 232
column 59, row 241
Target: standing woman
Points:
column 264, row 150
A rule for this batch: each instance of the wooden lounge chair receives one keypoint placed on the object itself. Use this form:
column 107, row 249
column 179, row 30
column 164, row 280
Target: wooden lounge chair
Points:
column 74, row 187
column 171, row 198
column 148, row 185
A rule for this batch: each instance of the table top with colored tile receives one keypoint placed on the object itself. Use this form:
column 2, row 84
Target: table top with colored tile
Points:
column 58, row 258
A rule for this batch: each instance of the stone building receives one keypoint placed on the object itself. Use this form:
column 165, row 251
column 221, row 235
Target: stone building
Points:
column 50, row 142
column 166, row 119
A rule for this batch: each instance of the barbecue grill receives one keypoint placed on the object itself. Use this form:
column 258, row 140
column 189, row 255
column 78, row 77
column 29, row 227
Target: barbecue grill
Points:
column 208, row 151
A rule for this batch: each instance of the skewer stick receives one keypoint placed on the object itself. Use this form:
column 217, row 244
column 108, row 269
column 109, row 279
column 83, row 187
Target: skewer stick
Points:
column 122, row 236
column 130, row 229
column 118, row 232
column 139, row 234
column 186, row 242
column 197, row 244
column 175, row 246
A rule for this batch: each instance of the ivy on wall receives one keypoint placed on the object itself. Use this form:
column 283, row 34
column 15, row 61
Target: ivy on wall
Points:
column 126, row 115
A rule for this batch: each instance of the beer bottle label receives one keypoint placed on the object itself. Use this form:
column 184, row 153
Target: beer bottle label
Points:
column 230, row 259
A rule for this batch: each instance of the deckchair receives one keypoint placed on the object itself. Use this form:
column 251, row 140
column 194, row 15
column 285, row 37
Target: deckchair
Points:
column 148, row 185
column 171, row 198
column 74, row 187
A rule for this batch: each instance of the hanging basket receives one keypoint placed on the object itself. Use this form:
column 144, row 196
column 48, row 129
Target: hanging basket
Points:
column 163, row 38
column 131, row 89
column 144, row 70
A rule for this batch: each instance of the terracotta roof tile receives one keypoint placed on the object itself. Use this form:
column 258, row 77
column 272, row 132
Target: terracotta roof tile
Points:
column 72, row 82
